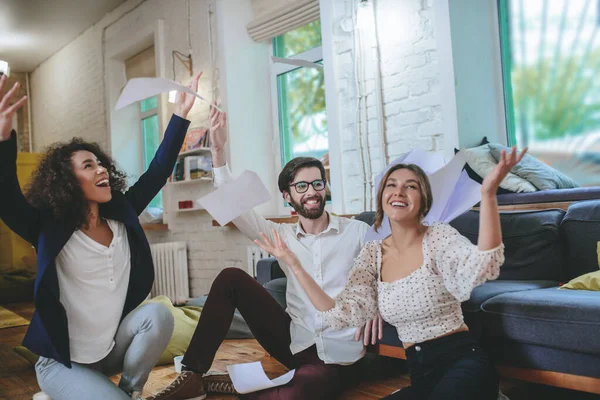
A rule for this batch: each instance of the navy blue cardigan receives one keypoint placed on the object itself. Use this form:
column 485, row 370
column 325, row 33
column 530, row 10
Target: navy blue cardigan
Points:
column 48, row 333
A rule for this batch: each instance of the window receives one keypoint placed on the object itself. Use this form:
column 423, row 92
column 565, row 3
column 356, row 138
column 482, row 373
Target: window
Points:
column 143, row 65
column 551, row 60
column 300, row 94
column 150, row 138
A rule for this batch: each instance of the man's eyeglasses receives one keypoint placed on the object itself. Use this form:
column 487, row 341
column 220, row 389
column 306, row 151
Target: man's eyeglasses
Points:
column 302, row 186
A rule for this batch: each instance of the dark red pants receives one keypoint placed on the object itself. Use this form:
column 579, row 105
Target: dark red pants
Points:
column 270, row 324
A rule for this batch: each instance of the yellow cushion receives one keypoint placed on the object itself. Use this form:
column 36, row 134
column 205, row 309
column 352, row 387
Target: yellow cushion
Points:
column 590, row 281
column 186, row 319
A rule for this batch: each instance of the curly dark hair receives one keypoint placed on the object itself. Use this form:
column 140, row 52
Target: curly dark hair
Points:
column 55, row 187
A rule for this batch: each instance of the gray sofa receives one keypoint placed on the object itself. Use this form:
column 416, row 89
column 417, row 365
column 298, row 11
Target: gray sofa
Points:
column 531, row 329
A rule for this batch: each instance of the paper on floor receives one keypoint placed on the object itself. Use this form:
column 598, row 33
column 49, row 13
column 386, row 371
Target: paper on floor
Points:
column 235, row 198
column 251, row 377
column 138, row 89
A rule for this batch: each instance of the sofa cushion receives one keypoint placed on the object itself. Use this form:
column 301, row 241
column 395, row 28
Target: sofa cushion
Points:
column 366, row 216
column 589, row 281
column 491, row 289
column 535, row 171
column 481, row 161
column 580, row 229
column 563, row 319
column 550, row 196
column 390, row 336
column 276, row 288
column 533, row 247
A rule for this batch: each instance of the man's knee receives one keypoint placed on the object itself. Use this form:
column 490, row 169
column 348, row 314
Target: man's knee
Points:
column 231, row 275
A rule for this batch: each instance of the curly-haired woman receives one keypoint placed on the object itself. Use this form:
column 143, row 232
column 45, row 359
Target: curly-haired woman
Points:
column 94, row 263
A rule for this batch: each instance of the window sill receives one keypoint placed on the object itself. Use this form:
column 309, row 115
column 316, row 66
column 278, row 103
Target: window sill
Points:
column 283, row 219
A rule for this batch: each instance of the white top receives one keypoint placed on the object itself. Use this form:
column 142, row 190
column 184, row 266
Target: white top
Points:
column 93, row 281
column 328, row 257
column 425, row 304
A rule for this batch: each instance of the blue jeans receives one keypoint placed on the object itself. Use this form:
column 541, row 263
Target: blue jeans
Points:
column 452, row 367
column 141, row 338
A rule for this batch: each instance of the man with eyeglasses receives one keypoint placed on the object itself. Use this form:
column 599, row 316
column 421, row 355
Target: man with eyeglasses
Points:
column 326, row 246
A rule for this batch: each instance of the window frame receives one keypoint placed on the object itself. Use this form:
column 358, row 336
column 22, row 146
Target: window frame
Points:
column 506, row 64
column 141, row 116
column 313, row 55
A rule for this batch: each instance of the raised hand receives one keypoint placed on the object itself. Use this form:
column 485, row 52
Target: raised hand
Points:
column 279, row 249
column 185, row 101
column 218, row 136
column 218, row 131
column 7, row 111
column 505, row 164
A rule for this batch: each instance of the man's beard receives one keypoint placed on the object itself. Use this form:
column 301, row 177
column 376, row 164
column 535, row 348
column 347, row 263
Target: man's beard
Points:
column 309, row 213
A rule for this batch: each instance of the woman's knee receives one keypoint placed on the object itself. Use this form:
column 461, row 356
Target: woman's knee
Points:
column 160, row 317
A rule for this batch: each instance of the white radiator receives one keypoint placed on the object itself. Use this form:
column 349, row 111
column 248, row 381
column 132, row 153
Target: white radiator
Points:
column 255, row 254
column 170, row 271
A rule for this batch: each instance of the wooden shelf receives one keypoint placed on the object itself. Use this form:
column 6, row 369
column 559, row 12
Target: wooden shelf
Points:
column 189, row 209
column 189, row 181
column 199, row 150
column 155, row 227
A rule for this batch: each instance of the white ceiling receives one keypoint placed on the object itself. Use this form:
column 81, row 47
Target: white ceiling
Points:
column 32, row 30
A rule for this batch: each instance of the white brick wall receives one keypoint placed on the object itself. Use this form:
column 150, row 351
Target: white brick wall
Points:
column 68, row 99
column 410, row 85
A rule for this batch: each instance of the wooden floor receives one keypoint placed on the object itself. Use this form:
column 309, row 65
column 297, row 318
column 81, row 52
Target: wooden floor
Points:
column 18, row 381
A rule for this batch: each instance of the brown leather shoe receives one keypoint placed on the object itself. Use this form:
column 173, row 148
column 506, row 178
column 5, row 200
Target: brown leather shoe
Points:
column 218, row 383
column 187, row 386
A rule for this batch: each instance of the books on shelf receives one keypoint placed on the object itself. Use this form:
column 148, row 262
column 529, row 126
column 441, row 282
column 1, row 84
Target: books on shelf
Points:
column 193, row 163
column 192, row 167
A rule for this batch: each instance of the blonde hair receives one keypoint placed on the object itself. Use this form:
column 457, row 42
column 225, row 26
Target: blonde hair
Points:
column 424, row 188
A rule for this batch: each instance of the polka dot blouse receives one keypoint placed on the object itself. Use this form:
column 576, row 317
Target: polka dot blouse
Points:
column 425, row 304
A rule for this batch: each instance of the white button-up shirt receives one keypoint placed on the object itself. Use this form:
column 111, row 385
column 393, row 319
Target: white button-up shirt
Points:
column 328, row 257
column 93, row 281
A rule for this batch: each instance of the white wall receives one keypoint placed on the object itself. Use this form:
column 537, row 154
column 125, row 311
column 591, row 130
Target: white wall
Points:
column 410, row 85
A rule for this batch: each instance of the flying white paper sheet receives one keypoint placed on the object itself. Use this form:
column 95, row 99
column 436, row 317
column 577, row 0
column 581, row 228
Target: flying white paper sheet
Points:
column 453, row 191
column 138, row 89
column 235, row 197
column 250, row 377
column 297, row 62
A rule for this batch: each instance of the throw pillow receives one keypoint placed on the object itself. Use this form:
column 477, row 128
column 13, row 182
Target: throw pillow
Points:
column 589, row 281
column 533, row 170
column 482, row 163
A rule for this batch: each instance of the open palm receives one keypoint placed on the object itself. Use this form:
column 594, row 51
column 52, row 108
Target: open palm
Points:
column 278, row 248
column 505, row 164
column 185, row 101
column 7, row 111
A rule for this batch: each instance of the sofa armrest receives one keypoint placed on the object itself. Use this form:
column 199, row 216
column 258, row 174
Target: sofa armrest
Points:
column 268, row 269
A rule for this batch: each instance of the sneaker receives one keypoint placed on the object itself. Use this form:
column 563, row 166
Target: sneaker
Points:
column 187, row 386
column 218, row 383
